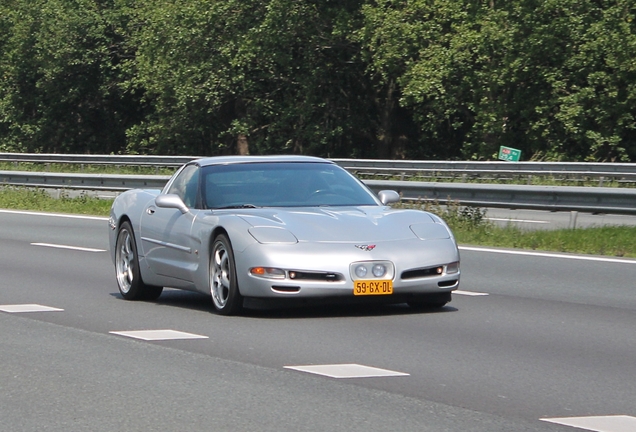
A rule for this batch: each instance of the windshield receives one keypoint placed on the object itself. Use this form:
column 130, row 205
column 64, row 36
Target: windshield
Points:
column 284, row 184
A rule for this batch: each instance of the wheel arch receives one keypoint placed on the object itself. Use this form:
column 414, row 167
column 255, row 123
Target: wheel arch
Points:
column 236, row 230
column 128, row 268
column 115, row 222
column 215, row 233
column 124, row 218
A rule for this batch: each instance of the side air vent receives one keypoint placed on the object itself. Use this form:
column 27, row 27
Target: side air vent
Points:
column 285, row 289
column 447, row 284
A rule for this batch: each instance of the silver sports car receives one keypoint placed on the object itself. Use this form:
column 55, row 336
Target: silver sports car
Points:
column 278, row 227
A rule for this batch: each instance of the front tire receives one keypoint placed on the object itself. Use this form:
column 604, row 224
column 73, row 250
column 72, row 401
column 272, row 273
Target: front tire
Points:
column 226, row 297
column 129, row 281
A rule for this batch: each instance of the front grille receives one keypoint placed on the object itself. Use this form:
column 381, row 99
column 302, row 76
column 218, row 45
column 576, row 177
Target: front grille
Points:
column 422, row 272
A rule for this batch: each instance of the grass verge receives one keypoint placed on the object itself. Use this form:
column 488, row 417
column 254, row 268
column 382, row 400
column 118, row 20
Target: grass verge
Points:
column 468, row 224
column 472, row 228
column 40, row 200
column 609, row 241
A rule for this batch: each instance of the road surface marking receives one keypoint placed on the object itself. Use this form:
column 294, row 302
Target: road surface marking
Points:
column 470, row 293
column 28, row 308
column 346, row 371
column 547, row 255
column 613, row 423
column 70, row 216
column 155, row 335
column 59, row 246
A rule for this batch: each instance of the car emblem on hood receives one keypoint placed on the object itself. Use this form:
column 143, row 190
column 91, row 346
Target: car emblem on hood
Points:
column 366, row 247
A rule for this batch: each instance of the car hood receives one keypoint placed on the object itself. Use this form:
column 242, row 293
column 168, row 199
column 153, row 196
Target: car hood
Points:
column 342, row 224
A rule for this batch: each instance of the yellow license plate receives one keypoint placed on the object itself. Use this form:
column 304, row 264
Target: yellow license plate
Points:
column 372, row 287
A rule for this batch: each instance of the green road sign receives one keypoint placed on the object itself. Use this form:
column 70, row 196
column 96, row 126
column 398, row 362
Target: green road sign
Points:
column 509, row 154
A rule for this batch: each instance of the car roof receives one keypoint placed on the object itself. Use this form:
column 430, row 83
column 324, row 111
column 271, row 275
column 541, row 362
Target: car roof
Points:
column 226, row 160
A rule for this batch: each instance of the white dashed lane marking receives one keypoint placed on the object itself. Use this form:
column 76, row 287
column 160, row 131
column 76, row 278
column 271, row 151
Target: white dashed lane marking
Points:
column 470, row 293
column 17, row 308
column 613, row 423
column 346, row 371
column 156, row 335
column 59, row 246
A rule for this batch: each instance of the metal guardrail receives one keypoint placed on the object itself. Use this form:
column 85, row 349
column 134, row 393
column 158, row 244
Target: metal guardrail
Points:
column 494, row 170
column 106, row 182
column 552, row 198
column 493, row 166
column 401, row 168
column 123, row 160
column 555, row 198
column 549, row 198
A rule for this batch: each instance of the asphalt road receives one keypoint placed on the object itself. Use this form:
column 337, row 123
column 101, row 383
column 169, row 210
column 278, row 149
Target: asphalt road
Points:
column 529, row 338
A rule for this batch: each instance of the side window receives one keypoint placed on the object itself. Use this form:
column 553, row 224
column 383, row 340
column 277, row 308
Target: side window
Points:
column 186, row 185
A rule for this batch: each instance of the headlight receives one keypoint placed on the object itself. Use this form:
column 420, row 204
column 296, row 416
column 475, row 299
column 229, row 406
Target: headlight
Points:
column 361, row 271
column 378, row 270
column 452, row 268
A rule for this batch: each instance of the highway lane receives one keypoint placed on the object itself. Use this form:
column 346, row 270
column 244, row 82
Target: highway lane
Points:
column 554, row 338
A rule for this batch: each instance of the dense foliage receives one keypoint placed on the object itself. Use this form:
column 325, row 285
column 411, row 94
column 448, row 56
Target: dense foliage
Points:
column 418, row 79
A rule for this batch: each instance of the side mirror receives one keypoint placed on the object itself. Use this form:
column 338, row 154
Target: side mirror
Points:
column 388, row 196
column 171, row 201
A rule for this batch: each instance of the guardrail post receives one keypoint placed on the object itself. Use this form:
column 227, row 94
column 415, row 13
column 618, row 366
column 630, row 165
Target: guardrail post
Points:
column 573, row 216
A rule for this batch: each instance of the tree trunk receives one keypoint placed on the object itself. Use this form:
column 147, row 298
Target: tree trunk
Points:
column 386, row 110
column 242, row 147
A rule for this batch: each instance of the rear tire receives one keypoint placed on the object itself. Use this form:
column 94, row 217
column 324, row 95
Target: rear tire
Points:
column 226, row 297
column 129, row 281
column 430, row 301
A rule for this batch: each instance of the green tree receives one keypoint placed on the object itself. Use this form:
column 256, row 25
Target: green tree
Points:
column 438, row 79
column 280, row 75
column 61, row 88
column 596, row 93
column 554, row 78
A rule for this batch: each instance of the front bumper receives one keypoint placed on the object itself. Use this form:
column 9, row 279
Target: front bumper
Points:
column 336, row 258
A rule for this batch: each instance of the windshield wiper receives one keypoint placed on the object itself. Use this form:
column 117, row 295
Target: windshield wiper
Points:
column 237, row 206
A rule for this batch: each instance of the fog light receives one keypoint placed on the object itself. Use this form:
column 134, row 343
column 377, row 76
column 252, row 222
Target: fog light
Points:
column 378, row 270
column 361, row 271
